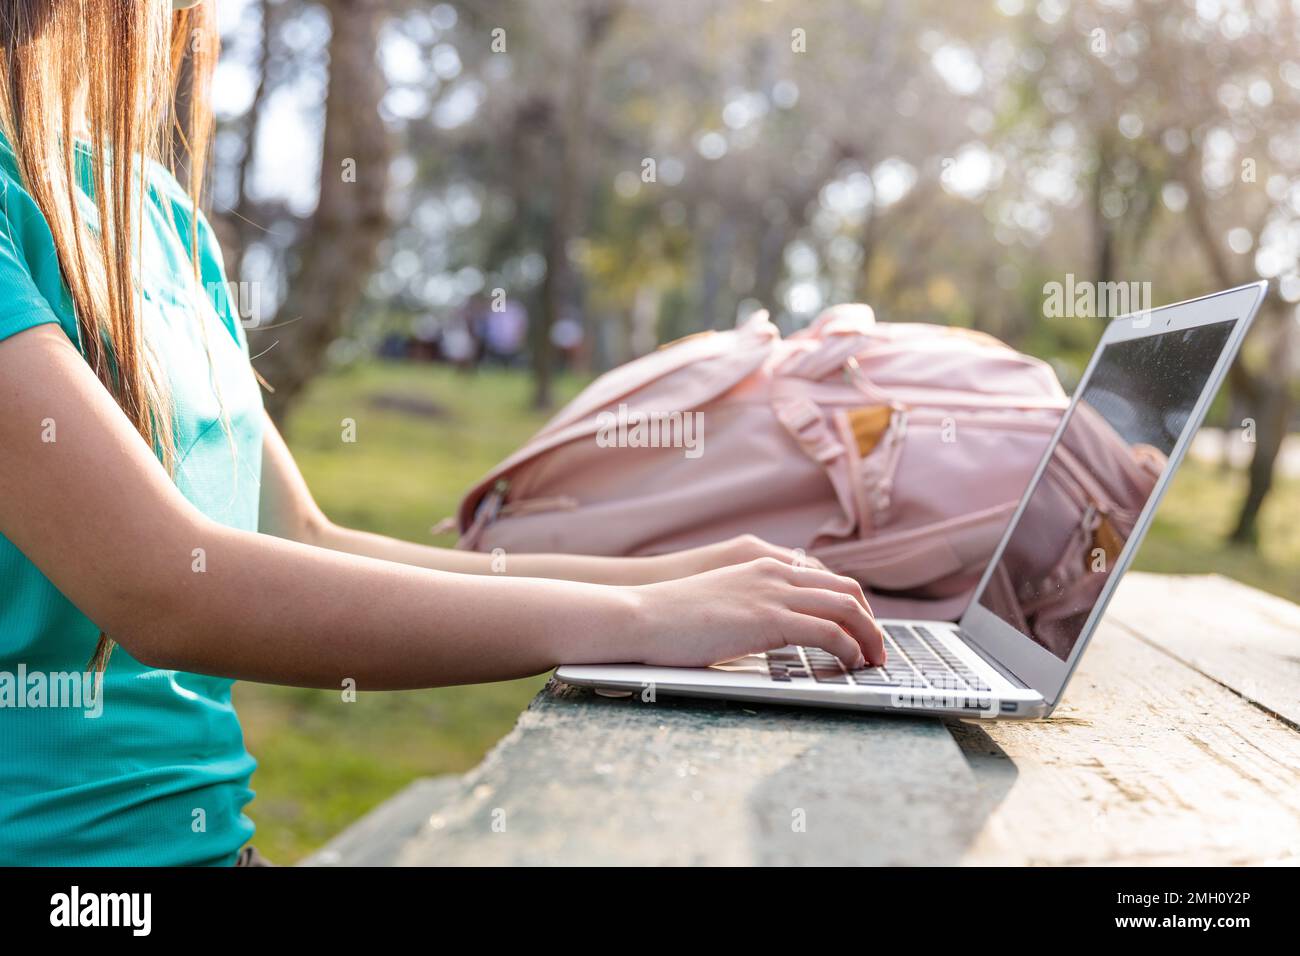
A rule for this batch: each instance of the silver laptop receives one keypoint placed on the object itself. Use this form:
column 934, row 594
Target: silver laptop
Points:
column 1150, row 380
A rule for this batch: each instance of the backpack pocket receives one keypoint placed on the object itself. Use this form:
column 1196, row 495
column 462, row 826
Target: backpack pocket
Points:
column 917, row 557
column 913, row 467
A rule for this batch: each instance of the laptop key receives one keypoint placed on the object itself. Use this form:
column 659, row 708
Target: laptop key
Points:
column 914, row 663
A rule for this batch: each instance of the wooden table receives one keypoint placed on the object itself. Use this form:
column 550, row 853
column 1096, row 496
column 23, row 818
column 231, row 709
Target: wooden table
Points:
column 1178, row 742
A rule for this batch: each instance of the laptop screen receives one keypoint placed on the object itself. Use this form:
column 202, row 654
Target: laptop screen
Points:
column 1113, row 449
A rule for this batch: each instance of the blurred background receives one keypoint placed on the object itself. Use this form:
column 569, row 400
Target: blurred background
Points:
column 442, row 219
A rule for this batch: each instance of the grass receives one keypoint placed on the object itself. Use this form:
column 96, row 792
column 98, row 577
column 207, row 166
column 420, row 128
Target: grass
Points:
column 1192, row 523
column 323, row 762
column 423, row 436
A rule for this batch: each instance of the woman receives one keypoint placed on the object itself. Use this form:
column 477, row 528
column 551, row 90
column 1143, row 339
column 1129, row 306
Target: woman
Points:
column 149, row 503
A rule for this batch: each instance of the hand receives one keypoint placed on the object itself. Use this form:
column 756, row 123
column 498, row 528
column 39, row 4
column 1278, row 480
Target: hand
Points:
column 754, row 607
column 737, row 550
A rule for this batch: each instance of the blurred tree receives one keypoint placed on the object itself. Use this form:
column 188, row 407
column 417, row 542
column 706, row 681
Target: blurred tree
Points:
column 657, row 167
column 329, row 257
column 332, row 260
column 1189, row 112
column 243, row 214
column 586, row 25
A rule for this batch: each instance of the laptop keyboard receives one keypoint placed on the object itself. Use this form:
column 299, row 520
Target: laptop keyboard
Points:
column 916, row 658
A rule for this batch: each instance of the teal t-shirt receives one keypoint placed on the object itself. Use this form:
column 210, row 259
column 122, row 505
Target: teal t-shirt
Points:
column 159, row 776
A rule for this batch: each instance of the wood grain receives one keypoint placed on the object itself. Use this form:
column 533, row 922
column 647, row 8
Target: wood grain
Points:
column 1147, row 760
column 588, row 780
column 377, row 839
column 1242, row 638
column 1177, row 742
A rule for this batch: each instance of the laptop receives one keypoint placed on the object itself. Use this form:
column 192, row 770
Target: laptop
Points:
column 1148, row 385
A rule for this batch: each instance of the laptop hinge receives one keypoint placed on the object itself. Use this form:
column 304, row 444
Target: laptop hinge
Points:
column 989, row 659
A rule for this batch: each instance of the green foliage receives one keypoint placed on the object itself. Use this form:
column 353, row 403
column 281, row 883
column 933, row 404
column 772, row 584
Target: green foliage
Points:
column 1194, row 520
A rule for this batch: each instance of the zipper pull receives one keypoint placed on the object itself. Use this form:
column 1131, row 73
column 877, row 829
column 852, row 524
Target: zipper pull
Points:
column 495, row 499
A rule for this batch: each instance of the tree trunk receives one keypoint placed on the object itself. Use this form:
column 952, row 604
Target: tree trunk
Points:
column 1266, row 394
column 554, row 295
column 867, row 241
column 1103, row 229
column 569, row 191
column 1272, row 411
column 1270, row 430
column 333, row 259
column 241, row 222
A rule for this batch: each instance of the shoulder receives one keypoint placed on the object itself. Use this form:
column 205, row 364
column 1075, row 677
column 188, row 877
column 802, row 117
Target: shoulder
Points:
column 8, row 160
column 198, row 238
column 176, row 199
column 17, row 207
column 32, row 291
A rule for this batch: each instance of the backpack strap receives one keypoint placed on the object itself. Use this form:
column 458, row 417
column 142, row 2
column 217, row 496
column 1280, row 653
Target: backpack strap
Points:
column 806, row 424
column 819, row 439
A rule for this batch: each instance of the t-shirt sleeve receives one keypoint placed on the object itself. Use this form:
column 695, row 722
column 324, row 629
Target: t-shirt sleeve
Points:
column 21, row 304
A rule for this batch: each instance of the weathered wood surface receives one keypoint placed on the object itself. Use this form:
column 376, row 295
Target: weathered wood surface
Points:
column 1244, row 639
column 1149, row 759
column 377, row 839
column 1177, row 743
column 586, row 779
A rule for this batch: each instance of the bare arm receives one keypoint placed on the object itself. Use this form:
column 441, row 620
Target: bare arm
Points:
column 288, row 510
column 99, row 516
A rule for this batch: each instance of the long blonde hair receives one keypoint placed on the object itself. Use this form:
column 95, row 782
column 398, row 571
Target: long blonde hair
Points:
column 139, row 74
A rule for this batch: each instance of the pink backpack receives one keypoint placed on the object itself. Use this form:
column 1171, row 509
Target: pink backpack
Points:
column 893, row 452
column 1085, row 515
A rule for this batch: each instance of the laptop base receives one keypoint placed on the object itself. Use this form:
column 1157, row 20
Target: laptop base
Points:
column 807, row 677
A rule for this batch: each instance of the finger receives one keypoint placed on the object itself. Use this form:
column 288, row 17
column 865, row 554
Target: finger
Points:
column 799, row 558
column 766, row 549
column 814, row 631
column 809, row 577
column 844, row 610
